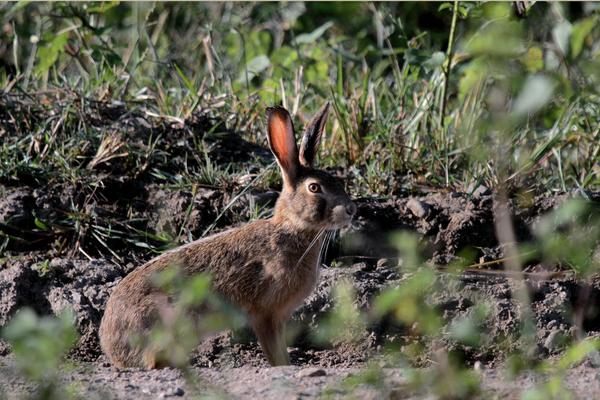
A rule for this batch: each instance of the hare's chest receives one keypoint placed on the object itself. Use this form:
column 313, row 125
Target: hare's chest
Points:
column 298, row 286
column 292, row 273
column 305, row 276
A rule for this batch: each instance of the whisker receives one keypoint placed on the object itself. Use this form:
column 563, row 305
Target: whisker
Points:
column 310, row 246
column 326, row 244
column 323, row 249
column 334, row 235
column 329, row 239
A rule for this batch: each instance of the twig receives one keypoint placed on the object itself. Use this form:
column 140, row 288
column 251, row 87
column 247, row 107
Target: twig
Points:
column 498, row 261
column 506, row 236
column 546, row 276
column 245, row 60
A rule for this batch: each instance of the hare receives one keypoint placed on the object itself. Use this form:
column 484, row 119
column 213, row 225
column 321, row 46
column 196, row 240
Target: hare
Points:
column 265, row 268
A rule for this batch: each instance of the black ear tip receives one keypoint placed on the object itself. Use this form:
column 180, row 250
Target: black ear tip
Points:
column 277, row 110
column 325, row 109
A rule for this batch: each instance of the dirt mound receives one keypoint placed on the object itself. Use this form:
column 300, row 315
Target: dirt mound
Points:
column 136, row 184
column 51, row 287
column 449, row 223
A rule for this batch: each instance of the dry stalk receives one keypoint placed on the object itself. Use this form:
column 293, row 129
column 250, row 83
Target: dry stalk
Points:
column 110, row 148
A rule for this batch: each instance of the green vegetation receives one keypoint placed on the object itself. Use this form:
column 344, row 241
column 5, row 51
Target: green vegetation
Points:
column 175, row 340
column 443, row 96
column 39, row 345
column 516, row 103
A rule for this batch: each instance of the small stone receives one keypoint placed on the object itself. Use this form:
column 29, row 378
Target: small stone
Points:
column 553, row 340
column 481, row 191
column 478, row 190
column 478, row 366
column 311, row 372
column 419, row 208
column 594, row 359
column 383, row 263
column 175, row 392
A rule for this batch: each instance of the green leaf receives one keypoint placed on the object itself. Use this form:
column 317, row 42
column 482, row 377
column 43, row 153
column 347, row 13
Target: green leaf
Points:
column 284, row 56
column 340, row 76
column 48, row 53
column 386, row 301
column 314, row 35
column 436, row 60
column 444, row 6
column 40, row 224
column 195, row 290
column 187, row 83
column 536, row 92
column 39, row 343
column 497, row 10
column 255, row 67
column 533, row 59
column 102, row 7
column 561, row 33
column 499, row 38
column 580, row 32
column 474, row 73
column 578, row 352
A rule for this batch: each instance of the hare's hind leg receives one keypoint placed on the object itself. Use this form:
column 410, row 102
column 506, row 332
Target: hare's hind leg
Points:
column 151, row 359
column 270, row 332
column 126, row 327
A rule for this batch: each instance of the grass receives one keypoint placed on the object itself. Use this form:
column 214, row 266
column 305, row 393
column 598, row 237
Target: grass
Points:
column 105, row 98
column 406, row 102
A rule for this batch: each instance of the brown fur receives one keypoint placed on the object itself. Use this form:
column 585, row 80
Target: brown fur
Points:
column 263, row 267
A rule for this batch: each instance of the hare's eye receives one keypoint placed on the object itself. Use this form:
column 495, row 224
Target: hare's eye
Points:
column 314, row 187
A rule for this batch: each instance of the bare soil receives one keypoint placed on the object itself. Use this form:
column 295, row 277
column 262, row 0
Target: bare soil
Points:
column 274, row 383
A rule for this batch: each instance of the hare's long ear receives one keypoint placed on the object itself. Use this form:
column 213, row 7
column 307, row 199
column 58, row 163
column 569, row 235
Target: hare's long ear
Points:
column 283, row 143
column 312, row 137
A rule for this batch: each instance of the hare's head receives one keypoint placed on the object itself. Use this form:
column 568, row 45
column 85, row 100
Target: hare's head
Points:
column 311, row 199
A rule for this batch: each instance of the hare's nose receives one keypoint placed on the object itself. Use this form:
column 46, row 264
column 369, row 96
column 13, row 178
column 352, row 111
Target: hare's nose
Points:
column 351, row 209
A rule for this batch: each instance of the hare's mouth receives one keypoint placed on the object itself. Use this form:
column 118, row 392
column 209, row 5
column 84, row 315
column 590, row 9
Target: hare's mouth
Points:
column 342, row 217
column 341, row 222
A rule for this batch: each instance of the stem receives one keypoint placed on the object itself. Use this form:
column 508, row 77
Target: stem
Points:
column 505, row 233
column 447, row 67
column 245, row 60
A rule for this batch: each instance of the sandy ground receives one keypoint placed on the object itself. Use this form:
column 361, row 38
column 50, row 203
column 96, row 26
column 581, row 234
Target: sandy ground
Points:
column 99, row 381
